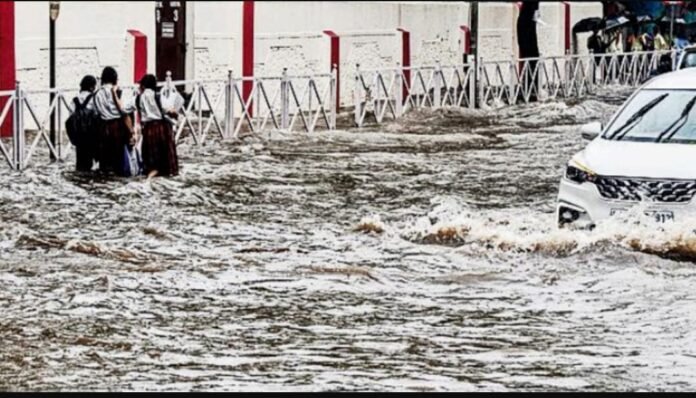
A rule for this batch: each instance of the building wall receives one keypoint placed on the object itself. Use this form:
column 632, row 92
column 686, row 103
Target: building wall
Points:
column 580, row 11
column 91, row 35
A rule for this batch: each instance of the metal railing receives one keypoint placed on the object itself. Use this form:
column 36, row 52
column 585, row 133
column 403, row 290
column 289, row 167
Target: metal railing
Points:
column 393, row 92
column 219, row 108
column 216, row 108
column 486, row 84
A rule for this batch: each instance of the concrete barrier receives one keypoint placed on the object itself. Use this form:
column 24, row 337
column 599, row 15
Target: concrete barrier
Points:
column 135, row 56
column 7, row 66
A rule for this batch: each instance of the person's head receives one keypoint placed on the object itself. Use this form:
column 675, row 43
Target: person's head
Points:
column 109, row 76
column 148, row 81
column 88, row 83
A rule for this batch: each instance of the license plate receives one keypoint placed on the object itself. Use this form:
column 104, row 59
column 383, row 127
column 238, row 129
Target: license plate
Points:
column 660, row 216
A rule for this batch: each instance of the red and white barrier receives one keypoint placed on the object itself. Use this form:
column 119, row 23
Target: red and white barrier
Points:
column 567, row 27
column 247, row 47
column 466, row 39
column 7, row 66
column 406, row 60
column 135, row 66
column 335, row 60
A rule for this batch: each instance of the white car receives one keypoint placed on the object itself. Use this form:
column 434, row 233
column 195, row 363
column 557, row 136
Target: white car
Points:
column 646, row 153
column 687, row 58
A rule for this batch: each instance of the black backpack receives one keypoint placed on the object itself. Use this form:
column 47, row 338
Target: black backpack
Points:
column 83, row 122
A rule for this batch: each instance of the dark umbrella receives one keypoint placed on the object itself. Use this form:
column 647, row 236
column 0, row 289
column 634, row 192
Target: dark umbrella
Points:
column 666, row 19
column 615, row 23
column 644, row 19
column 587, row 25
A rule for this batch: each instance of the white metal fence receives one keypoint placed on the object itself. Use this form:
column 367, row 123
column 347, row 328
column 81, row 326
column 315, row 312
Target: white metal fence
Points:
column 389, row 93
column 216, row 108
column 393, row 92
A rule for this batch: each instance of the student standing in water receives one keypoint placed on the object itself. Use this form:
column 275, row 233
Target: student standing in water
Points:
column 158, row 146
column 117, row 126
column 85, row 151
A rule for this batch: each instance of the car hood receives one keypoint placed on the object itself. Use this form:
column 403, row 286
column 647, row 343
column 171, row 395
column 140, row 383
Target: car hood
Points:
column 639, row 159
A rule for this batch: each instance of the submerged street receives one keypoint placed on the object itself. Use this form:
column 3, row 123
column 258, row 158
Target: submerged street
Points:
column 421, row 255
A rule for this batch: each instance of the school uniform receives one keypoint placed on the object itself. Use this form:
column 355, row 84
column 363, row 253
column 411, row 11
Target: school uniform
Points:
column 158, row 148
column 85, row 153
column 114, row 134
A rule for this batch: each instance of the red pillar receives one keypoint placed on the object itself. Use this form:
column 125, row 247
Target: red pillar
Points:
column 405, row 60
column 336, row 60
column 139, row 54
column 247, row 48
column 466, row 42
column 8, row 64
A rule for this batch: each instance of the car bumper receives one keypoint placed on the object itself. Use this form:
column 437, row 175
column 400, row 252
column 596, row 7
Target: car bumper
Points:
column 587, row 206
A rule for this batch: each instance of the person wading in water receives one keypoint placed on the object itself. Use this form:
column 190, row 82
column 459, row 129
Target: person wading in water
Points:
column 116, row 130
column 528, row 44
column 158, row 146
column 85, row 124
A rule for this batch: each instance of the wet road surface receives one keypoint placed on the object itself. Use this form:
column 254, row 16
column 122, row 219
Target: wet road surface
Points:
column 420, row 255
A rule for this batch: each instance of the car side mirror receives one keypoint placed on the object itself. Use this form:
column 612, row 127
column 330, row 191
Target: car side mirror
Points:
column 590, row 131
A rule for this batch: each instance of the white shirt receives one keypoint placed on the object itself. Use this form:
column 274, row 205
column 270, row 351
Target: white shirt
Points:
column 82, row 96
column 104, row 102
column 149, row 111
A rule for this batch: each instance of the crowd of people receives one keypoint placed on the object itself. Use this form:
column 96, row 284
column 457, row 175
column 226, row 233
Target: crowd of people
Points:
column 107, row 134
column 629, row 40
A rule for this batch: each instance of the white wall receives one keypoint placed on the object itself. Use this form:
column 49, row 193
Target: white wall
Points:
column 89, row 36
column 93, row 34
column 368, row 32
column 497, row 29
column 580, row 10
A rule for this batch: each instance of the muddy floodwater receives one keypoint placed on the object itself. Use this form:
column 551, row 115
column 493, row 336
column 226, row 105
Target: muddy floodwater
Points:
column 419, row 255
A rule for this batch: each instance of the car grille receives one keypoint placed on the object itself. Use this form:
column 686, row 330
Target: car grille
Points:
column 668, row 191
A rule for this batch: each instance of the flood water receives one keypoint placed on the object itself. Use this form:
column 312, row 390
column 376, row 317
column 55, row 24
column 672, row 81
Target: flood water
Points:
column 419, row 255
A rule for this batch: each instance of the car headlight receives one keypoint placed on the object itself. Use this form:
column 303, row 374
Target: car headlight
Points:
column 579, row 174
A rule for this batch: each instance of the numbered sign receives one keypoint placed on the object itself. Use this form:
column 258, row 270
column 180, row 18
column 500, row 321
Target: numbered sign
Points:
column 170, row 19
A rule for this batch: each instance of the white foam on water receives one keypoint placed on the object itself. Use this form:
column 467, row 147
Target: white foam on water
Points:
column 312, row 262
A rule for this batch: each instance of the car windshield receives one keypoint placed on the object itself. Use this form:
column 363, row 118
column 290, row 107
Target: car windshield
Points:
column 689, row 60
column 658, row 119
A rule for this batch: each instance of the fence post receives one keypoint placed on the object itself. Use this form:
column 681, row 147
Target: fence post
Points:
column 18, row 128
column 567, row 79
column 199, row 106
column 376, row 92
column 357, row 97
column 228, row 105
column 257, row 101
column 593, row 71
column 284, row 101
column 334, row 100
column 168, row 80
column 471, row 82
column 477, row 81
column 233, row 90
column 437, row 86
column 59, row 149
column 514, row 88
column 398, row 86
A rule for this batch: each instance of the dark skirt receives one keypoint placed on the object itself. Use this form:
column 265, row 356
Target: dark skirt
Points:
column 113, row 138
column 158, row 148
column 85, row 153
